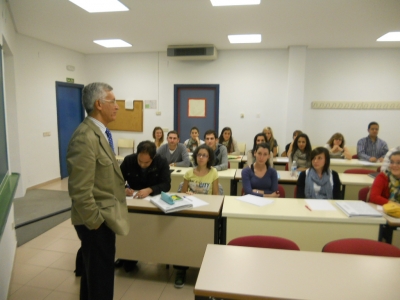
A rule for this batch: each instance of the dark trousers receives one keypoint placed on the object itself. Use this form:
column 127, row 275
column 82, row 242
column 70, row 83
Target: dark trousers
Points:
column 98, row 253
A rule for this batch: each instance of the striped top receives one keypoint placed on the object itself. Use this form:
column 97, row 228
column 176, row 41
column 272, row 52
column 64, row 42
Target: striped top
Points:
column 366, row 148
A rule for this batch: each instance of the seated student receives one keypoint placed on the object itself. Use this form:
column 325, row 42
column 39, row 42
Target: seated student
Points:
column 386, row 186
column 295, row 134
column 194, row 140
column 336, row 147
column 174, row 152
column 220, row 153
column 158, row 136
column 300, row 152
column 226, row 139
column 386, row 160
column 260, row 179
column 372, row 148
column 258, row 139
column 202, row 179
column 273, row 144
column 319, row 182
column 147, row 173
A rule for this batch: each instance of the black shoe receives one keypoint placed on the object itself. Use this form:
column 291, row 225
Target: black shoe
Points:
column 129, row 265
column 118, row 263
column 180, row 279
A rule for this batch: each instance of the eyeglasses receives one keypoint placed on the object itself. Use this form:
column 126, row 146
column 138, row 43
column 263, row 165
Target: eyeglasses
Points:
column 199, row 155
column 109, row 101
column 397, row 163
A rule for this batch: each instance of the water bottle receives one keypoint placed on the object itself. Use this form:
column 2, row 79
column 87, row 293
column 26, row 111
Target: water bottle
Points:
column 293, row 170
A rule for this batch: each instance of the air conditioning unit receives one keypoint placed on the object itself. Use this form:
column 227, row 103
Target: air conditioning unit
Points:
column 192, row 52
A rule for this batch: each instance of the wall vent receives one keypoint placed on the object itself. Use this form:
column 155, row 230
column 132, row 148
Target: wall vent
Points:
column 192, row 52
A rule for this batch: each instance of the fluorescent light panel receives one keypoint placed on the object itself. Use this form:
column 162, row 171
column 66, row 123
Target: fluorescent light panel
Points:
column 393, row 36
column 96, row 6
column 244, row 38
column 112, row 43
column 234, row 2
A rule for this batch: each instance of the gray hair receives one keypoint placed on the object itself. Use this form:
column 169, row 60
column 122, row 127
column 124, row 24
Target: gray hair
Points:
column 92, row 92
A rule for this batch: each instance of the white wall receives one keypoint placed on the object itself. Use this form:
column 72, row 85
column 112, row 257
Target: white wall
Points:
column 352, row 75
column 38, row 65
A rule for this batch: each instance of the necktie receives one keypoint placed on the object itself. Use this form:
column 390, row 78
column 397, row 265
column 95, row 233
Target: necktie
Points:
column 110, row 140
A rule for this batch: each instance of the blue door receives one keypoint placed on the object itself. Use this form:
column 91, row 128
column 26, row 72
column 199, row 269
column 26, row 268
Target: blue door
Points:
column 195, row 105
column 70, row 114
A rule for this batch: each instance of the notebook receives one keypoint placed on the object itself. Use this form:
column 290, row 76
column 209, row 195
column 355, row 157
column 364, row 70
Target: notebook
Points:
column 177, row 205
column 357, row 209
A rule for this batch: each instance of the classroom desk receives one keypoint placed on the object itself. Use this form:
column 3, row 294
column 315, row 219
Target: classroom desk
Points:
column 224, row 178
column 233, row 272
column 339, row 165
column 392, row 224
column 352, row 183
column 235, row 161
column 289, row 218
column 179, row 238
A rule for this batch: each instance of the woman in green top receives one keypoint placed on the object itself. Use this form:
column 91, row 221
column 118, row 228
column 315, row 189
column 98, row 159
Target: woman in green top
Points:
column 203, row 178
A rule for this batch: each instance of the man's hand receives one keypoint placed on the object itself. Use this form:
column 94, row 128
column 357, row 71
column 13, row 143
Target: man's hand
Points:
column 372, row 159
column 143, row 193
column 129, row 192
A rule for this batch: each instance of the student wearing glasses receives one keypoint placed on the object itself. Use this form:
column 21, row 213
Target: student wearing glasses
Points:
column 202, row 179
column 386, row 186
column 336, row 147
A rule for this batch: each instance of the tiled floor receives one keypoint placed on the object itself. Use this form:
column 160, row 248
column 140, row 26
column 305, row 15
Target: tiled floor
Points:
column 43, row 269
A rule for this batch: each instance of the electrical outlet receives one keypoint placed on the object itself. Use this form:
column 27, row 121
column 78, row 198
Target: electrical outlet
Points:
column 46, row 133
column 158, row 113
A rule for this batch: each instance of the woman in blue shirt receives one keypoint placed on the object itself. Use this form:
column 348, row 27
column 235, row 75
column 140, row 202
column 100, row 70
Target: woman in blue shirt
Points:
column 259, row 179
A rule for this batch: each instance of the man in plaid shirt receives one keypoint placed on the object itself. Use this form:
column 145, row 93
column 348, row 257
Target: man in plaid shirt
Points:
column 372, row 148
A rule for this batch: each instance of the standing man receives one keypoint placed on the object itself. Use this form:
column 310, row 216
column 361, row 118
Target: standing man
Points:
column 372, row 148
column 97, row 189
column 220, row 151
column 174, row 152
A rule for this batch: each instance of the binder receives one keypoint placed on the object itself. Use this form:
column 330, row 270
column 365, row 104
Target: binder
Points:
column 357, row 209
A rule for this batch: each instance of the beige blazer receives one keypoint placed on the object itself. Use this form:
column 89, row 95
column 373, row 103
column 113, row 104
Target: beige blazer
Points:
column 96, row 185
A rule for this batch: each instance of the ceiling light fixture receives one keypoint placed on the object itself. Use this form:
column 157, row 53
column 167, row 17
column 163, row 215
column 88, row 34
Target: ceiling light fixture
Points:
column 393, row 36
column 244, row 38
column 97, row 6
column 112, row 43
column 234, row 2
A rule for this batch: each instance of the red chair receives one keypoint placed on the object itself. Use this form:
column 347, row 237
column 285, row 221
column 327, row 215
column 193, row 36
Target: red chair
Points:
column 355, row 156
column 287, row 167
column 378, row 169
column 281, row 190
column 295, row 192
column 363, row 193
column 263, row 241
column 362, row 247
column 358, row 171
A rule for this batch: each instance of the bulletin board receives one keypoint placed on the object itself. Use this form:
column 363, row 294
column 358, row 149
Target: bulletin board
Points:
column 128, row 119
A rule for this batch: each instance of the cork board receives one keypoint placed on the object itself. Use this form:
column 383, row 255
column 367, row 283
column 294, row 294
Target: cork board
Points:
column 128, row 119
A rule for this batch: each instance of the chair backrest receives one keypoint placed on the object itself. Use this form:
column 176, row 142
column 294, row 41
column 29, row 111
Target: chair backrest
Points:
column 281, row 190
column 378, row 169
column 287, row 167
column 295, row 192
column 354, row 156
column 126, row 143
column 363, row 193
column 263, row 241
column 242, row 148
column 358, row 171
column 362, row 247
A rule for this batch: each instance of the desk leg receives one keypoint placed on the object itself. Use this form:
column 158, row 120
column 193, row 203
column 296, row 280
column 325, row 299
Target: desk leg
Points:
column 386, row 232
column 222, row 240
column 233, row 187
column 343, row 191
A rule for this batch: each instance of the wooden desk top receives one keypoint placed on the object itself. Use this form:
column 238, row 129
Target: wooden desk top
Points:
column 290, row 209
column 213, row 209
column 283, row 274
column 229, row 173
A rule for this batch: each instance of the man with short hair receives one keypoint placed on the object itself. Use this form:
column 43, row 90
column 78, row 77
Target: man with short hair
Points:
column 386, row 160
column 372, row 148
column 220, row 151
column 97, row 190
column 174, row 152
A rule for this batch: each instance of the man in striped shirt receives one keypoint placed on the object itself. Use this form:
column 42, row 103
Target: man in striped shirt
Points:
column 372, row 148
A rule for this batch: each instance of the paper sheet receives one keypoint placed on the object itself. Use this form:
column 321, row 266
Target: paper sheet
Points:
column 319, row 204
column 128, row 104
column 195, row 201
column 259, row 201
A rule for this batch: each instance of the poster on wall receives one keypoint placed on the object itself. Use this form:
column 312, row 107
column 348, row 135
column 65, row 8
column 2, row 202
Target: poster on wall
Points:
column 197, row 108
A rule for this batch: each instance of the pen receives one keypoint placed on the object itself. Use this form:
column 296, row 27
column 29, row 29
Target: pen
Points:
column 308, row 208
